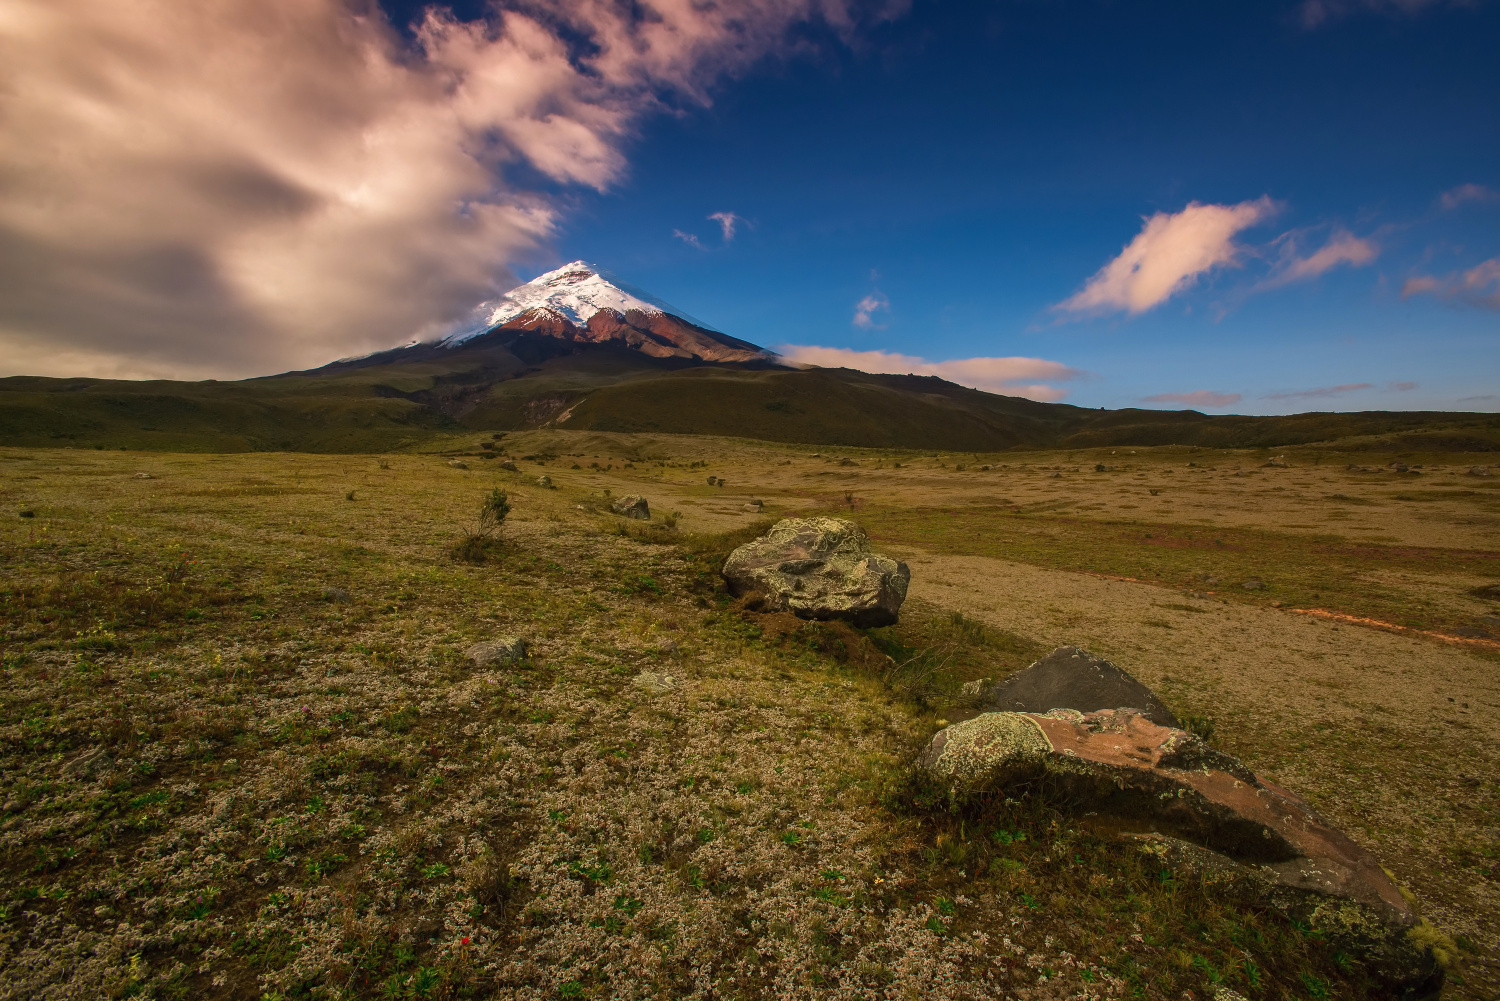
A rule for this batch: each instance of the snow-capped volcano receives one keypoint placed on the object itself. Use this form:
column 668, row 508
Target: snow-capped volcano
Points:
column 584, row 303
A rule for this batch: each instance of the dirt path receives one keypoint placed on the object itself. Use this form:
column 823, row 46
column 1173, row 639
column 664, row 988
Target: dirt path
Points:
column 1393, row 737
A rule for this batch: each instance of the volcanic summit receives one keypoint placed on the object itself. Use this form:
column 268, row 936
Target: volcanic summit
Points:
column 582, row 303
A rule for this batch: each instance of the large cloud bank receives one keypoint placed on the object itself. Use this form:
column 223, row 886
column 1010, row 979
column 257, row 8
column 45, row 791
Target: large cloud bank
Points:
column 225, row 187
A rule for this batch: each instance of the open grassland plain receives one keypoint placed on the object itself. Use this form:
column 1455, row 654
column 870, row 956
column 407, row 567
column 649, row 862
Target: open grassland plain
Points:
column 243, row 755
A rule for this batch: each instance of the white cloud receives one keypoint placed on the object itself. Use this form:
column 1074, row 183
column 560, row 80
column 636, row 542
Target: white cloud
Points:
column 1342, row 247
column 1478, row 286
column 1007, row 376
column 237, row 186
column 1314, row 13
column 1197, row 398
column 865, row 309
column 1465, row 193
column 1167, row 256
column 727, row 221
column 1321, row 391
column 691, row 239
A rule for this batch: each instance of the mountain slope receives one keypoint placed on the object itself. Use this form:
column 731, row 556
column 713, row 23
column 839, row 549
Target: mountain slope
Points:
column 578, row 349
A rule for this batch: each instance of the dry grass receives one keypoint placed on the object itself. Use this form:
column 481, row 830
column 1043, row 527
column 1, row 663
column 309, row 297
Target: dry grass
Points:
column 244, row 756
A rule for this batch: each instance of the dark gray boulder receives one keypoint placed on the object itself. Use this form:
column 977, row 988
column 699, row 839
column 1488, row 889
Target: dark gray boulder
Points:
column 819, row 568
column 1070, row 678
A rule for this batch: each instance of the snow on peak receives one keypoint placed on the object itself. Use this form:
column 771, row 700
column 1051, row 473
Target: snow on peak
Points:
column 574, row 292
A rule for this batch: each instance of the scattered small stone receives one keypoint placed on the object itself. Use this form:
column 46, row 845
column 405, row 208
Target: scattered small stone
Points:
column 713, row 481
column 1400, row 467
column 1198, row 594
column 458, row 464
column 143, row 476
column 544, row 481
column 654, row 684
column 26, row 513
column 1279, row 462
column 1480, row 471
column 1253, row 585
column 335, row 594
column 631, row 506
column 505, row 650
column 508, row 466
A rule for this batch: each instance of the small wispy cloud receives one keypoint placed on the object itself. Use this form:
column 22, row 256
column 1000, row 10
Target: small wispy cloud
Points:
column 1197, row 398
column 1479, row 399
column 1466, row 193
column 1319, row 392
column 1342, row 247
column 691, row 239
column 1400, row 387
column 1315, row 13
column 867, row 307
column 1008, row 376
column 1171, row 251
column 1478, row 286
column 727, row 221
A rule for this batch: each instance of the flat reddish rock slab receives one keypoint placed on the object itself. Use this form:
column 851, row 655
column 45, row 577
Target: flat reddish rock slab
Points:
column 1119, row 763
column 1124, row 740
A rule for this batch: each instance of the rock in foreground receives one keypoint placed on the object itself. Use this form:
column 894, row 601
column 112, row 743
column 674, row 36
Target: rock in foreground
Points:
column 819, row 568
column 1164, row 780
column 1070, row 678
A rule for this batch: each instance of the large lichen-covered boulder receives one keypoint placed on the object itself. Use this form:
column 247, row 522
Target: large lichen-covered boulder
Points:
column 631, row 506
column 1158, row 779
column 819, row 568
column 1070, row 678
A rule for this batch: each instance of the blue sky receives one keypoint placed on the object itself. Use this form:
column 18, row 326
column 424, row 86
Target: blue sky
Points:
column 1257, row 207
column 973, row 165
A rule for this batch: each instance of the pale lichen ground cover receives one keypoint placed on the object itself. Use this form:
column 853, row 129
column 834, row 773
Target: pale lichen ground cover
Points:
column 223, row 780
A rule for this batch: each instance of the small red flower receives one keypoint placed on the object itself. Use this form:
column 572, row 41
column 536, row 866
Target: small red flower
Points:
column 465, row 940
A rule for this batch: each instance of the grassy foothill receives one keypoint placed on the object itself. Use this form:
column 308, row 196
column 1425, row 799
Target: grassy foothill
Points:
column 243, row 753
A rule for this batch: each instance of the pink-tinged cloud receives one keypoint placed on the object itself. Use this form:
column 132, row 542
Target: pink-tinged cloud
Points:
column 727, row 222
column 1321, row 391
column 1167, row 256
column 1197, row 398
column 1341, row 248
column 866, row 308
column 1478, row 286
column 1464, row 194
column 234, row 186
column 1007, row 376
column 691, row 239
column 1400, row 387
